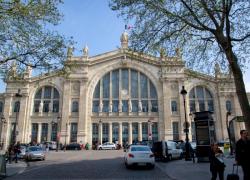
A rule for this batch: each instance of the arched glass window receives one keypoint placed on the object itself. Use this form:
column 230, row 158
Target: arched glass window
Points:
column 75, row 106
column 200, row 99
column 1, row 106
column 174, row 106
column 228, row 105
column 125, row 90
column 46, row 98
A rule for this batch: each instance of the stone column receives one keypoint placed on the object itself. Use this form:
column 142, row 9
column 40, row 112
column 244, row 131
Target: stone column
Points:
column 83, row 115
column 139, row 131
column 21, row 121
column 49, row 131
column 120, row 133
column 100, row 133
column 7, row 112
column 39, row 133
column 110, row 131
column 130, row 133
column 65, row 108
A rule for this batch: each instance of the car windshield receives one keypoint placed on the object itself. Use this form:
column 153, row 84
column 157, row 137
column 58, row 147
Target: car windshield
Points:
column 35, row 149
column 140, row 148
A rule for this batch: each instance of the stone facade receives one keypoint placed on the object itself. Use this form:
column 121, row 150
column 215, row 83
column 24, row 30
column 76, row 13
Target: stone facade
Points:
column 35, row 119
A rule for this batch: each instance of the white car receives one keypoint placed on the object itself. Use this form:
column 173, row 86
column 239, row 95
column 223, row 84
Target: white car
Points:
column 173, row 151
column 139, row 155
column 107, row 145
column 34, row 152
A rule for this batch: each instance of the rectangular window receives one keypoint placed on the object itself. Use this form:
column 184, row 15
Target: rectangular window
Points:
column 125, row 79
column 97, row 91
column 36, row 106
column 54, row 132
column 124, row 106
column 135, row 132
column 47, row 92
column 175, row 130
column 134, row 84
column 115, row 132
column 155, row 131
column 144, row 131
column 192, row 105
column 73, row 132
column 46, row 106
column 134, row 106
column 55, row 106
column 124, row 133
column 154, row 106
column 201, row 105
column 210, row 105
column 105, row 85
column 34, row 132
column 44, row 135
column 95, row 133
column 1, row 107
column 193, row 131
column 115, row 106
column 95, row 107
column 144, row 106
column 144, row 86
column 105, row 106
column 105, row 132
column 115, row 84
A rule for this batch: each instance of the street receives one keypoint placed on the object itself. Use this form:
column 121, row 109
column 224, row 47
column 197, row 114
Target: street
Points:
column 108, row 164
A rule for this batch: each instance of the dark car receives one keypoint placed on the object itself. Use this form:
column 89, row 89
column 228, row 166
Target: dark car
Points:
column 72, row 146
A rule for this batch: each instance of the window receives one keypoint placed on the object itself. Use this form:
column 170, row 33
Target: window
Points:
column 44, row 134
column 34, row 132
column 50, row 98
column 174, row 106
column 17, row 106
column 200, row 99
column 73, row 132
column 175, row 130
column 122, row 84
column 75, row 106
column 54, row 132
column 228, row 105
column 1, row 106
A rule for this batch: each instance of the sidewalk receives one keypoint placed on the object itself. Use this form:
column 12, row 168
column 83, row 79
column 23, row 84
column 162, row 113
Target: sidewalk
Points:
column 14, row 168
column 181, row 169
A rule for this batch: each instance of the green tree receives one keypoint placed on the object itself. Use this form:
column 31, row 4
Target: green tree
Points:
column 25, row 38
column 208, row 31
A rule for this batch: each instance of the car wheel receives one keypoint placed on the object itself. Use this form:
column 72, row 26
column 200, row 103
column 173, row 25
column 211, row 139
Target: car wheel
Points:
column 151, row 166
column 181, row 156
column 100, row 148
column 113, row 148
column 127, row 166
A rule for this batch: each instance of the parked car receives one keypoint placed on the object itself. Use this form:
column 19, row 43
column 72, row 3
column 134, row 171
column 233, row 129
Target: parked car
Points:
column 34, row 153
column 139, row 155
column 52, row 145
column 72, row 146
column 166, row 150
column 23, row 151
column 106, row 145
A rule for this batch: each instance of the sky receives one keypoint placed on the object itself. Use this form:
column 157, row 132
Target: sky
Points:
column 93, row 23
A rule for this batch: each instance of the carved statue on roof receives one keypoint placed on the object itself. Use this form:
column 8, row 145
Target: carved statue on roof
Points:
column 178, row 52
column 70, row 51
column 85, row 51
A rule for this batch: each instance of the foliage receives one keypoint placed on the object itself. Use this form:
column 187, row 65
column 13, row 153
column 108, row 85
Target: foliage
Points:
column 190, row 25
column 24, row 36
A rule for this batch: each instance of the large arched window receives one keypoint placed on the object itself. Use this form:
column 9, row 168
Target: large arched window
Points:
column 125, row 90
column 200, row 99
column 46, row 99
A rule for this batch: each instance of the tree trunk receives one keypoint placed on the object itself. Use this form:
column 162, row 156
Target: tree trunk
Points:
column 239, row 84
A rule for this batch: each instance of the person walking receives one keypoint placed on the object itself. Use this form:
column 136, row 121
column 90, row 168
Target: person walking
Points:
column 17, row 151
column 242, row 154
column 217, row 165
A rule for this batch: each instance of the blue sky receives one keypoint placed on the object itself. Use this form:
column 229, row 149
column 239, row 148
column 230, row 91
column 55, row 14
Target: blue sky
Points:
column 92, row 23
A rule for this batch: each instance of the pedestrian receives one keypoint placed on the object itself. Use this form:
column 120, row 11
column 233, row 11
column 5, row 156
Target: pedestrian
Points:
column 242, row 153
column 217, row 165
column 17, row 151
column 87, row 146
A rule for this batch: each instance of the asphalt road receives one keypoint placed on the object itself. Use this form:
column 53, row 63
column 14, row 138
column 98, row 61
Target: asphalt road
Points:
column 106, row 164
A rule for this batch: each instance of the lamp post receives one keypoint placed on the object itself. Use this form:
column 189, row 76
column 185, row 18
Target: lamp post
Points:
column 186, row 125
column 3, row 122
column 100, row 131
column 228, row 131
column 58, row 132
column 18, row 95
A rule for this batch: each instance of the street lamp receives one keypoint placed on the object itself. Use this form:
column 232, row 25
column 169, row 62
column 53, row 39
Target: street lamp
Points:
column 187, row 146
column 3, row 122
column 18, row 95
column 58, row 133
column 228, row 131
